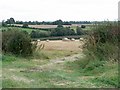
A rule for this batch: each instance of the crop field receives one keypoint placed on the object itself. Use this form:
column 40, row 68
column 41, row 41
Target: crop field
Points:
column 62, row 45
column 73, row 26
column 42, row 26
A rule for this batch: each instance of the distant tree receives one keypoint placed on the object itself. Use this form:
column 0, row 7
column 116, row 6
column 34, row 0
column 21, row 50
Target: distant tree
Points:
column 19, row 22
column 62, row 31
column 58, row 22
column 59, row 31
column 66, row 23
column 10, row 21
column 4, row 23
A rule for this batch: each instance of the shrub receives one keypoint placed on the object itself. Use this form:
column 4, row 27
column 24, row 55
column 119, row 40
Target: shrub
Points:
column 16, row 42
column 83, row 26
column 103, row 41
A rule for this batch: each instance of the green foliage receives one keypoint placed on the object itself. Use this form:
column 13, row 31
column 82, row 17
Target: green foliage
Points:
column 16, row 42
column 4, row 24
column 10, row 21
column 58, row 22
column 62, row 31
column 103, row 41
column 79, row 31
column 107, row 80
column 59, row 31
column 101, row 55
column 8, row 58
column 39, row 34
column 69, row 31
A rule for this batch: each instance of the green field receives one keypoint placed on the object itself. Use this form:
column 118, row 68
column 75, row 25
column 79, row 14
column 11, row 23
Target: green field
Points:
column 23, row 29
column 27, row 72
column 28, row 30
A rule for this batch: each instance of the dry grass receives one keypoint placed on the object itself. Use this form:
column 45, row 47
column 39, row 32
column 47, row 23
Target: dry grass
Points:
column 48, row 26
column 43, row 26
column 62, row 45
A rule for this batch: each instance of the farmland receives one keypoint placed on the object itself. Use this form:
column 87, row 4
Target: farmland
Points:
column 47, row 26
column 42, row 28
column 67, row 63
column 56, row 66
column 50, row 52
column 61, row 45
column 73, row 26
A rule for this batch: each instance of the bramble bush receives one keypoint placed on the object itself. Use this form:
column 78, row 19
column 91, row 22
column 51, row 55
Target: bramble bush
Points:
column 16, row 42
column 103, row 41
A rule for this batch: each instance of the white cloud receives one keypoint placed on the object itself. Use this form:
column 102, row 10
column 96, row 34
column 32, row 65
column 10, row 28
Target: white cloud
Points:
column 49, row 10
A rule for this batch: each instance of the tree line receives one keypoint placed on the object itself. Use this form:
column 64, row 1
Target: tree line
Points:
column 40, row 33
column 12, row 21
column 59, row 31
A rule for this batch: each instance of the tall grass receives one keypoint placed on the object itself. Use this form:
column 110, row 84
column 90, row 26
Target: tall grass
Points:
column 102, row 49
column 103, row 41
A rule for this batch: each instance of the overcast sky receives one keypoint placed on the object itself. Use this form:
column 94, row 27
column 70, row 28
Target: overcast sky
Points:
column 67, row 10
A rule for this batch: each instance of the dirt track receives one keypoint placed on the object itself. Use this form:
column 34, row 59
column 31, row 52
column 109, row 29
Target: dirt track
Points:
column 59, row 45
column 55, row 62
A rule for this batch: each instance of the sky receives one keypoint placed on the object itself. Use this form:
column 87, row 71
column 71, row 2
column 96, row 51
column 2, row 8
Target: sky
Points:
column 67, row 10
